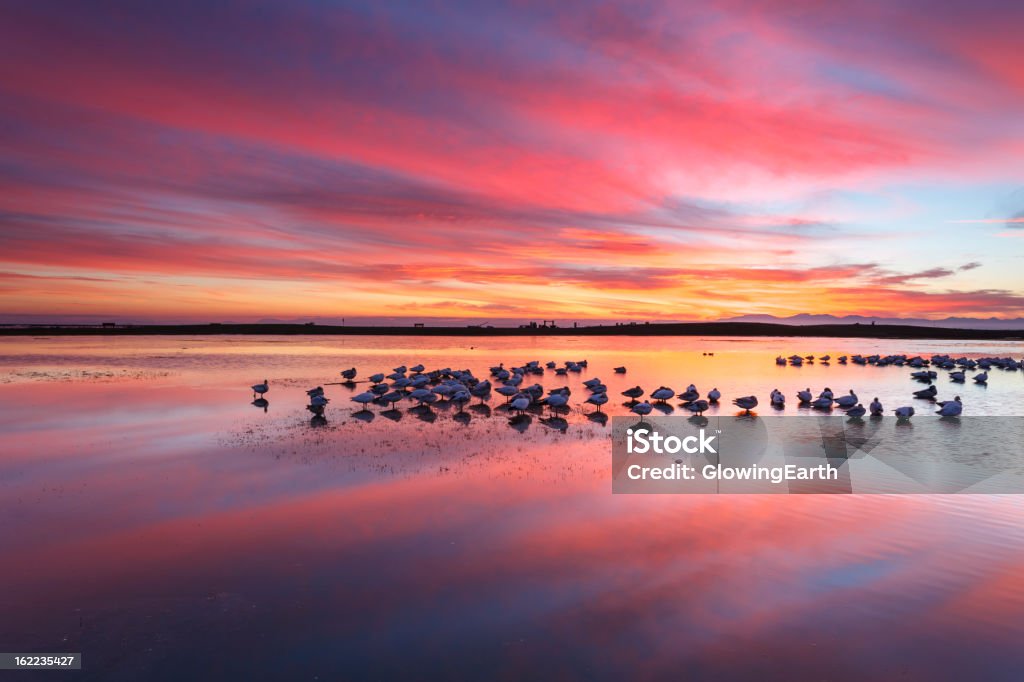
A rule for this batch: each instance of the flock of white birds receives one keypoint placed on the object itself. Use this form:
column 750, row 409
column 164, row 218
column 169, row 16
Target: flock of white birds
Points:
column 425, row 387
column 926, row 371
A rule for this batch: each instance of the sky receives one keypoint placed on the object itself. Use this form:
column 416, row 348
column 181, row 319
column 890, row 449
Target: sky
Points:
column 230, row 161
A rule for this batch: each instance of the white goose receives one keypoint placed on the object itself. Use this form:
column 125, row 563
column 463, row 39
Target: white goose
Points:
column 633, row 393
column 363, row 399
column 643, row 409
column 556, row 400
column 847, row 401
column 856, row 411
column 950, row 408
column 690, row 394
column 520, row 402
column 261, row 388
column 747, row 403
column 698, row 406
column 662, row 393
column 822, row 403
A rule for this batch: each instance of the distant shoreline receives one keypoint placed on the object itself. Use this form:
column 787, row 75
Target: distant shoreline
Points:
column 749, row 329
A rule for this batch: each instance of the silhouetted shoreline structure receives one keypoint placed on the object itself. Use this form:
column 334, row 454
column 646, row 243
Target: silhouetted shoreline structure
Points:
column 748, row 329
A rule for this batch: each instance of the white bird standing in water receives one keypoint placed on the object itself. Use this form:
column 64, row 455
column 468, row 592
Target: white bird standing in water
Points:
column 698, row 406
column 748, row 402
column 597, row 399
column 822, row 403
column 950, row 408
column 363, row 399
column 520, row 402
column 690, row 394
column 856, row 412
column 847, row 401
column 556, row 400
column 641, row 409
column 926, row 393
column 420, row 395
column 662, row 393
column 261, row 388
column 507, row 391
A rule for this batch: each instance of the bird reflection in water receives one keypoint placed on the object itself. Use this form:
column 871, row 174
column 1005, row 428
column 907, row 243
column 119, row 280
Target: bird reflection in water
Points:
column 424, row 413
column 556, row 423
column 481, row 409
column 364, row 416
column 261, row 403
column 520, row 422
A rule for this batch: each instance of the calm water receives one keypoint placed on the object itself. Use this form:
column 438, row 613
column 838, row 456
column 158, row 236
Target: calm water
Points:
column 155, row 520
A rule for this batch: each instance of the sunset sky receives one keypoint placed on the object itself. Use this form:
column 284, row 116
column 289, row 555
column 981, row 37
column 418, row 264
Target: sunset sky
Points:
column 633, row 160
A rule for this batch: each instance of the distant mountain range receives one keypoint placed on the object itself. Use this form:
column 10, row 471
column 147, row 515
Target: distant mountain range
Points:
column 945, row 323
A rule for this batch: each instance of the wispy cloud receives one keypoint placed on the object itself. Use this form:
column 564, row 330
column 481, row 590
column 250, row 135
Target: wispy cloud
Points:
column 580, row 158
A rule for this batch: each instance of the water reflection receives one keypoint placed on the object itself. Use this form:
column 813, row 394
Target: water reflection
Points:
column 481, row 409
column 520, row 422
column 190, row 523
column 556, row 423
column 261, row 403
column 424, row 413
